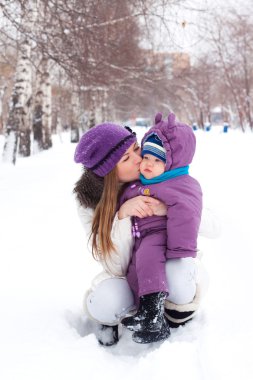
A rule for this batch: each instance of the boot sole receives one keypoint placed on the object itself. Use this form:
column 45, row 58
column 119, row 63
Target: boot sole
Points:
column 145, row 337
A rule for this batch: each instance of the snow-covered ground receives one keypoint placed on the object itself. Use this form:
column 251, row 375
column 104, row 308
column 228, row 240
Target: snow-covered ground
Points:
column 45, row 270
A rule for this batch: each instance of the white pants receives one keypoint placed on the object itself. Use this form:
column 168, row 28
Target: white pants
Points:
column 112, row 298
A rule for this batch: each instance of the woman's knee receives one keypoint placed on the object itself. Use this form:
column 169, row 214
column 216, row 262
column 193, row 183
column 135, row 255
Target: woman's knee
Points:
column 110, row 301
column 181, row 277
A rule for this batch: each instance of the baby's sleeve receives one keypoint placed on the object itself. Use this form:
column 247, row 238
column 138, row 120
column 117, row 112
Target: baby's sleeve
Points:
column 182, row 231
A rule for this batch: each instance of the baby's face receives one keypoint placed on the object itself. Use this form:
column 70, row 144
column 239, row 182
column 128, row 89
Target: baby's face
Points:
column 151, row 166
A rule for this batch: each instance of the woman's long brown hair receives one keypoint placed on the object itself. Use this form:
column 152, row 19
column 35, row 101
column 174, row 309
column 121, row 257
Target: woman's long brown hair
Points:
column 102, row 245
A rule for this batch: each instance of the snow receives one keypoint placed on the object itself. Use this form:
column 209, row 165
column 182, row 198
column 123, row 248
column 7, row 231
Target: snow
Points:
column 45, row 271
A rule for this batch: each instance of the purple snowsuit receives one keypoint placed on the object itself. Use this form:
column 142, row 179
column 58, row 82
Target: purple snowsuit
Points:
column 160, row 238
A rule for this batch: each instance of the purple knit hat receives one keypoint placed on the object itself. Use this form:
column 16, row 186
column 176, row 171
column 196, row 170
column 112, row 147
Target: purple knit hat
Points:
column 101, row 147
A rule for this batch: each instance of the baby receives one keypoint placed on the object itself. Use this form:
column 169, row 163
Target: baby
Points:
column 167, row 151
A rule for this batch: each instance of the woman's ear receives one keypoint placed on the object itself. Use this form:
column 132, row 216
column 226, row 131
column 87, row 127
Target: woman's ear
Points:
column 158, row 117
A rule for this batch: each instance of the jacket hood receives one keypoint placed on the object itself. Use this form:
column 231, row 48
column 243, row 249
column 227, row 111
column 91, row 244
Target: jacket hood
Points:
column 89, row 189
column 178, row 139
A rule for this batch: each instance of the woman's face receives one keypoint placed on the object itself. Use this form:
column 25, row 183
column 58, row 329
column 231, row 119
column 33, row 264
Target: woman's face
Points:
column 128, row 168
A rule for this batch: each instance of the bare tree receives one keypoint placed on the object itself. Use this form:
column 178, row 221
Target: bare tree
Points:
column 42, row 116
column 231, row 43
column 18, row 124
column 75, row 115
column 242, row 37
column 199, row 89
column 97, row 43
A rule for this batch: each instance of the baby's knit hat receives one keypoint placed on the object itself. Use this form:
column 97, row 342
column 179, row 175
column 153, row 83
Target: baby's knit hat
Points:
column 153, row 145
column 101, row 147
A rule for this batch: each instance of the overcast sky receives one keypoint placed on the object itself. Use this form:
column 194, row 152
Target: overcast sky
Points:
column 185, row 22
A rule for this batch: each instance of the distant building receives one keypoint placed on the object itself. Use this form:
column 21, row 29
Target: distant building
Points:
column 218, row 116
column 171, row 63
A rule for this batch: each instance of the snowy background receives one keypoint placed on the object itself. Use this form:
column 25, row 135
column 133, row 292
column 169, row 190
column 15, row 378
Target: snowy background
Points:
column 45, row 270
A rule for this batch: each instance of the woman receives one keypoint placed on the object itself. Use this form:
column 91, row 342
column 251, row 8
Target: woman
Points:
column 111, row 158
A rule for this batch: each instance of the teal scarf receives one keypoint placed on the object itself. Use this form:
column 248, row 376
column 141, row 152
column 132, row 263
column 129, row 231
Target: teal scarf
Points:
column 165, row 176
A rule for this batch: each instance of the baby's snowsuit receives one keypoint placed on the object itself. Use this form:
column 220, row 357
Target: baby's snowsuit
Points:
column 159, row 238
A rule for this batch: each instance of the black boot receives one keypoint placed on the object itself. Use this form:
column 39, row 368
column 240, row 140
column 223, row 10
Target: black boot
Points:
column 150, row 316
column 178, row 318
column 107, row 335
column 147, row 336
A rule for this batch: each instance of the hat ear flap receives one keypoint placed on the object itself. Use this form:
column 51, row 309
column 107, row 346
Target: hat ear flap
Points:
column 171, row 119
column 158, row 117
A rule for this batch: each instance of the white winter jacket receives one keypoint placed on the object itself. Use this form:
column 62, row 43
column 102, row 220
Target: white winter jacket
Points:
column 123, row 241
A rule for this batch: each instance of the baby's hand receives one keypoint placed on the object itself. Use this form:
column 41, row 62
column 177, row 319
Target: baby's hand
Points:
column 140, row 206
column 159, row 209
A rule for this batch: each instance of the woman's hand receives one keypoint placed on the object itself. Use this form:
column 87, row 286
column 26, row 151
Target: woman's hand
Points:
column 141, row 206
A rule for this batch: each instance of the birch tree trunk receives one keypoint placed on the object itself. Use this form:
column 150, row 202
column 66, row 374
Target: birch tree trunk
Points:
column 2, row 90
column 74, row 124
column 18, row 122
column 105, row 106
column 100, row 105
column 47, row 107
column 37, row 115
column 42, row 114
column 18, row 128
